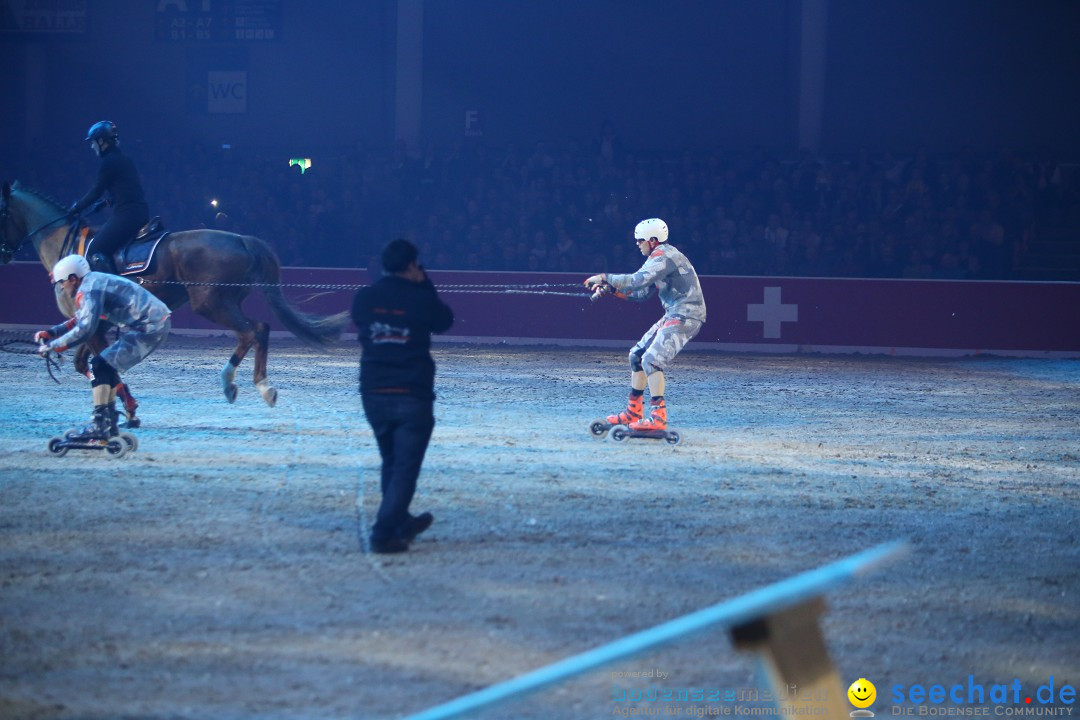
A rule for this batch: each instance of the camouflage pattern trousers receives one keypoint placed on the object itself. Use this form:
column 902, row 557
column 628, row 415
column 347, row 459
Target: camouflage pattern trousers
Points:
column 134, row 345
column 663, row 341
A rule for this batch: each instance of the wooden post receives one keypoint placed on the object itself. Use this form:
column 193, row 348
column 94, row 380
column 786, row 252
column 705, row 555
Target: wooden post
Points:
column 792, row 656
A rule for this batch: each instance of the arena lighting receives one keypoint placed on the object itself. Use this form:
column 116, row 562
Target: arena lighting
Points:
column 304, row 163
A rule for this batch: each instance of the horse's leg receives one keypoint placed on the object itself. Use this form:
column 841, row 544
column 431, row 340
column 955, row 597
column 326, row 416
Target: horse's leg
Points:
column 262, row 348
column 245, row 338
column 222, row 306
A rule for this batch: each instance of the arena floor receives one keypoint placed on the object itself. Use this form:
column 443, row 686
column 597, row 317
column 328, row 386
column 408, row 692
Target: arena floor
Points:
column 220, row 570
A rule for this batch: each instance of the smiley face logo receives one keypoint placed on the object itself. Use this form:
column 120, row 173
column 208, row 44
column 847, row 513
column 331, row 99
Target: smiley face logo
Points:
column 862, row 693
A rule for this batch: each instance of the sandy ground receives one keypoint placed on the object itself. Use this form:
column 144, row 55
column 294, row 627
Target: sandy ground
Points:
column 220, row 571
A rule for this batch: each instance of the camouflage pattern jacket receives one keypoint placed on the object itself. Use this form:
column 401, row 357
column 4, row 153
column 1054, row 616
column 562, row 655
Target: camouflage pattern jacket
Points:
column 116, row 299
column 673, row 277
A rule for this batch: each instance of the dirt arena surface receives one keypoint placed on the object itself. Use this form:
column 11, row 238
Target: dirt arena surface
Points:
column 220, row 570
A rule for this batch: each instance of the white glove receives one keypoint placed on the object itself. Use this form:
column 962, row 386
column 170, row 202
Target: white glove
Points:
column 44, row 350
column 595, row 280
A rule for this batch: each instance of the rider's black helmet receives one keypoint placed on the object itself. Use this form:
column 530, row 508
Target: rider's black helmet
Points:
column 103, row 130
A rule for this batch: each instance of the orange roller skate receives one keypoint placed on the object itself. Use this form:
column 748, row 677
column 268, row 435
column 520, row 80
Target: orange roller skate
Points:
column 653, row 427
column 635, row 406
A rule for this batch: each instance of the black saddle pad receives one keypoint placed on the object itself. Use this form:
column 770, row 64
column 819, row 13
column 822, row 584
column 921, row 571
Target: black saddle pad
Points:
column 137, row 256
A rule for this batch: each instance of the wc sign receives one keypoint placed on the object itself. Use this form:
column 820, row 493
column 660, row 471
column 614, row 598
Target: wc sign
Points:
column 226, row 91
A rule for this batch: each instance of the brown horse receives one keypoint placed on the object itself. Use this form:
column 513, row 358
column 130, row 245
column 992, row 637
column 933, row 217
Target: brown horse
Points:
column 211, row 269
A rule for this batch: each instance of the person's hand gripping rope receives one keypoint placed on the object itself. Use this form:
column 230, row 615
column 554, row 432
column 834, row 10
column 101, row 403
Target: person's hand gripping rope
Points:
column 599, row 285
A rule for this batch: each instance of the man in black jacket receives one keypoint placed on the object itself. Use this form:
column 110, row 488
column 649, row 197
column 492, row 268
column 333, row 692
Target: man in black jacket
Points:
column 395, row 318
column 117, row 176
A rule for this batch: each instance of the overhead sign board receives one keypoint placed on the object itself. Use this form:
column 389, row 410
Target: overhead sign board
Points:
column 217, row 20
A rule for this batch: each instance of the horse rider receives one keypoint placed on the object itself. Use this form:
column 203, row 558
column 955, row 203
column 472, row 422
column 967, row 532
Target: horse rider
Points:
column 145, row 321
column 117, row 176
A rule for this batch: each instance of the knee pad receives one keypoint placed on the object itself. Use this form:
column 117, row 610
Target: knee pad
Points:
column 635, row 361
column 104, row 373
column 649, row 365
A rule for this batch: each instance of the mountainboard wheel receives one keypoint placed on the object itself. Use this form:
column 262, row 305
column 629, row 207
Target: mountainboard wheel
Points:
column 57, row 447
column 116, row 448
column 619, row 433
column 598, row 428
column 131, row 440
column 673, row 437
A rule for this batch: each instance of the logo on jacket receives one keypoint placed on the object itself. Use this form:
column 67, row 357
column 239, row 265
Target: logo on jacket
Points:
column 382, row 333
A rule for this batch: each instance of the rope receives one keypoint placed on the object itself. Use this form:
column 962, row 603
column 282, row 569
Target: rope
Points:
column 52, row 359
column 496, row 288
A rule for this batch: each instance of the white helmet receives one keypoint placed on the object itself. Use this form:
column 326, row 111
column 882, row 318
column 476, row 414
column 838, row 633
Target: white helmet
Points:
column 70, row 265
column 651, row 228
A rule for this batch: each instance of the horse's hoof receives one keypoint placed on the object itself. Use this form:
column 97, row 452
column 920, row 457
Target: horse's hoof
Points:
column 230, row 393
column 270, row 396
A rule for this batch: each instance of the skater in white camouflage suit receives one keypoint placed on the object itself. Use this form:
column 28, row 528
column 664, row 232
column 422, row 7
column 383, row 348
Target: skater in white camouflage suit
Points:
column 144, row 320
column 667, row 271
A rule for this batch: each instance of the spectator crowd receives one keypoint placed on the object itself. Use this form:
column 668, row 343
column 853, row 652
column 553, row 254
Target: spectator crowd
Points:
column 572, row 207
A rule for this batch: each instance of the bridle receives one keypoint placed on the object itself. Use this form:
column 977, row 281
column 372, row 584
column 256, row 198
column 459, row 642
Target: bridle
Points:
column 7, row 249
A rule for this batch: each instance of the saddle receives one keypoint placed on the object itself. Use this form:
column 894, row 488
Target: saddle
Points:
column 136, row 256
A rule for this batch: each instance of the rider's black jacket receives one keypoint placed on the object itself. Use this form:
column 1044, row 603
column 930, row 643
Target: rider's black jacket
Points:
column 118, row 177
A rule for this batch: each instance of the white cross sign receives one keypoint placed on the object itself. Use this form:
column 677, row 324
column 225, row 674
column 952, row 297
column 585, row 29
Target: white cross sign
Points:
column 772, row 312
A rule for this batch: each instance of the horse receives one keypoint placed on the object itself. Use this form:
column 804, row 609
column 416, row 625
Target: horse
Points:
column 213, row 270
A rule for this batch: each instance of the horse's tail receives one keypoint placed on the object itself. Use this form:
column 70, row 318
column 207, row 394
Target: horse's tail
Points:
column 314, row 330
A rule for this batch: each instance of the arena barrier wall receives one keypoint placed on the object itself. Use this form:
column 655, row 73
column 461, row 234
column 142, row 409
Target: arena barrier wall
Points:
column 747, row 314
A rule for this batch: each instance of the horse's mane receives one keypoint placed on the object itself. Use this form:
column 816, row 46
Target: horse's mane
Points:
column 37, row 193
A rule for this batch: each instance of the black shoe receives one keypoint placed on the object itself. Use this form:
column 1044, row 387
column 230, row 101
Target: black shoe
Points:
column 389, row 546
column 417, row 525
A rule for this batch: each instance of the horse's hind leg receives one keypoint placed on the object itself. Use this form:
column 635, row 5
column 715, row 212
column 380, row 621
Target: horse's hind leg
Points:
column 262, row 347
column 223, row 309
column 244, row 340
column 260, row 338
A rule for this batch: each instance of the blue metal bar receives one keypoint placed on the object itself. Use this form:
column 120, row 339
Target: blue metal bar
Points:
column 753, row 605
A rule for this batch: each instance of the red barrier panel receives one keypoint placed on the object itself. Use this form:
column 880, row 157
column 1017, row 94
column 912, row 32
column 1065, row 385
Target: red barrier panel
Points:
column 765, row 314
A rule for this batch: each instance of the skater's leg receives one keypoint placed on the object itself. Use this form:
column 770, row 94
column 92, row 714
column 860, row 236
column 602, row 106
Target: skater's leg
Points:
column 101, row 394
column 638, row 374
column 638, row 379
column 671, row 336
column 656, row 383
column 103, row 381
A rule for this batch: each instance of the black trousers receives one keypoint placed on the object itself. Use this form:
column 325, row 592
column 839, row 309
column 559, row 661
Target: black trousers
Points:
column 402, row 427
column 116, row 231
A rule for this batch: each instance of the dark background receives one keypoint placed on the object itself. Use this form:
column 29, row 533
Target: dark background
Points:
column 670, row 74
column 915, row 138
